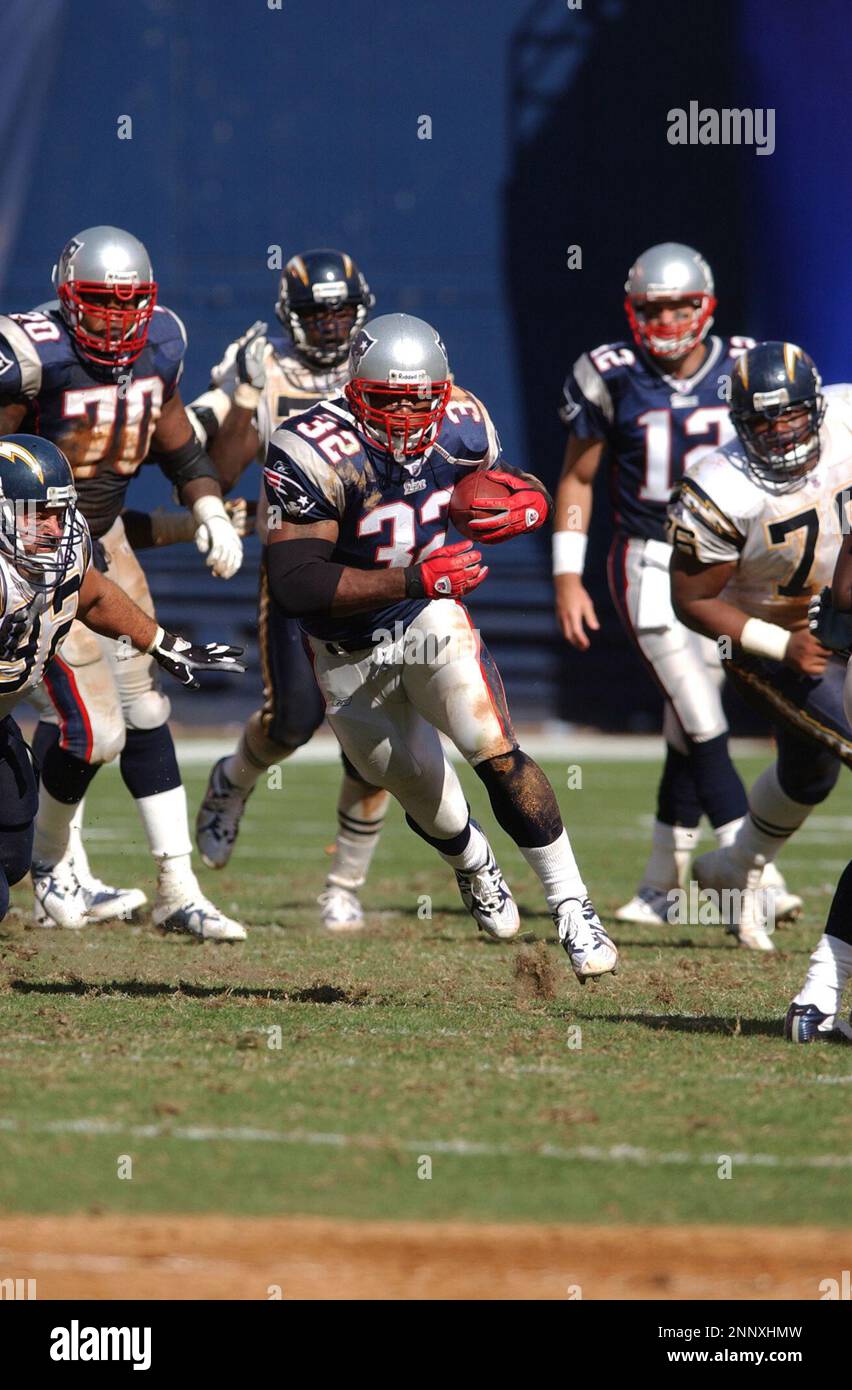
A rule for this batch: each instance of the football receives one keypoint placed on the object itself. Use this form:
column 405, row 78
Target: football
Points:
column 463, row 503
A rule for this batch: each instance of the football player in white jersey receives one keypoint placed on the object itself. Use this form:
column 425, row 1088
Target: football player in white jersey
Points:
column 46, row 581
column 756, row 529
column 263, row 378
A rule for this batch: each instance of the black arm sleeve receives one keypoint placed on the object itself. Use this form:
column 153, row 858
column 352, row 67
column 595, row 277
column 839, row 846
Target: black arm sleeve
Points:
column 302, row 579
column 184, row 465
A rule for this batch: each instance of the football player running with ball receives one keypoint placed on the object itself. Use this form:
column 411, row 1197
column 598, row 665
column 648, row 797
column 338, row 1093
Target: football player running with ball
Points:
column 47, row 580
column 358, row 488
column 756, row 530
column 648, row 410
column 264, row 377
column 96, row 371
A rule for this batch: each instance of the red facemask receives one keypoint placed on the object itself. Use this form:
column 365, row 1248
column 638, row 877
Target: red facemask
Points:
column 669, row 341
column 124, row 330
column 401, row 432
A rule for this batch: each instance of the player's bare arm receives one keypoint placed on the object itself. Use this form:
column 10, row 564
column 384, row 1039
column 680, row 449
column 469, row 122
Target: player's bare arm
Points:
column 306, row 582
column 235, row 447
column 106, row 609
column 695, row 595
column 11, row 417
column 575, row 610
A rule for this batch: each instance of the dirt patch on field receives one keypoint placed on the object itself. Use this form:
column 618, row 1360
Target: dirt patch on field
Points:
column 219, row 1257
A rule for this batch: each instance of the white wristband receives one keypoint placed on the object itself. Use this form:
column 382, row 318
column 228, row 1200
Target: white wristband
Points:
column 155, row 640
column 765, row 639
column 247, row 396
column 569, row 552
column 208, row 506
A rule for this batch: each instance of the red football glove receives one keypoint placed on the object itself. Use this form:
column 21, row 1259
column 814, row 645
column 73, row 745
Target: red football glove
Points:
column 447, row 573
column 526, row 510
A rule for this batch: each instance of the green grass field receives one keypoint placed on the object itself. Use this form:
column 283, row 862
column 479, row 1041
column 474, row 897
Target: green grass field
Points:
column 419, row 1038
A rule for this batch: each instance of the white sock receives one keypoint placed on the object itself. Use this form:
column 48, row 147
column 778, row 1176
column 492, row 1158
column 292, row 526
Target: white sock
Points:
column 52, row 829
column 726, row 834
column 668, row 864
column 165, row 819
column 772, row 818
column 76, row 848
column 360, row 819
column 557, row 868
column 474, row 854
column 829, row 969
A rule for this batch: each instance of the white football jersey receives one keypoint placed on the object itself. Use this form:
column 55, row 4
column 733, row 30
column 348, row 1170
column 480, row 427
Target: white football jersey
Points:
column 290, row 387
column 50, row 616
column 785, row 544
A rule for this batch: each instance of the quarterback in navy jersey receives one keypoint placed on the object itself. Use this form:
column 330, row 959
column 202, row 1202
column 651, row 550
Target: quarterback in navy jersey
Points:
column 265, row 376
column 647, row 410
column 359, row 489
column 96, row 372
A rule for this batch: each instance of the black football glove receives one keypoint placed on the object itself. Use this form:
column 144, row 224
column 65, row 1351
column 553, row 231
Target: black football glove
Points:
column 828, row 626
column 12, row 628
column 180, row 658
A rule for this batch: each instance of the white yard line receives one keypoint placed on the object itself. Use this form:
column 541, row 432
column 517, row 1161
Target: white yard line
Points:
column 459, row 1148
column 570, row 747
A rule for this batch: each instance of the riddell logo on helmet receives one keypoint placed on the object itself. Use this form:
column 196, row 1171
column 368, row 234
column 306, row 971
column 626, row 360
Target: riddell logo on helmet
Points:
column 726, row 126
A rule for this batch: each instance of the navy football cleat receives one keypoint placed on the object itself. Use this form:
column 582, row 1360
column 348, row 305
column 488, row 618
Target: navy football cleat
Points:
column 806, row 1023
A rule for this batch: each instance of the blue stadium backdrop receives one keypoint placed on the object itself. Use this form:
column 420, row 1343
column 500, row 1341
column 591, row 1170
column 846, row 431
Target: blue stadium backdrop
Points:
column 255, row 126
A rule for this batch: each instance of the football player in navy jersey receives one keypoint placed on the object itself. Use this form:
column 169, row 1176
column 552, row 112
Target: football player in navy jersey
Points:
column 358, row 490
column 647, row 410
column 96, row 371
column 265, row 376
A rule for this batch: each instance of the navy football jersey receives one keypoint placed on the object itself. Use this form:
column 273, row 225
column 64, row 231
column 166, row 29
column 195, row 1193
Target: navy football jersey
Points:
column 654, row 426
column 102, row 421
column 319, row 467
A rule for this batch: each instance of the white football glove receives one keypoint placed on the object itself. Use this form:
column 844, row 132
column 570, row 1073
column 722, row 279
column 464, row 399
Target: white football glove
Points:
column 250, row 366
column 216, row 538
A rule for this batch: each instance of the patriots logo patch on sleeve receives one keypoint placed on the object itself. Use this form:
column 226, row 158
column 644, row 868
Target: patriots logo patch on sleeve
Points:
column 289, row 493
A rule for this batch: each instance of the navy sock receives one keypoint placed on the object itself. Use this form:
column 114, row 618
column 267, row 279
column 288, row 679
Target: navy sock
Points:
column 45, row 736
column 717, row 782
column 149, row 762
column 677, row 797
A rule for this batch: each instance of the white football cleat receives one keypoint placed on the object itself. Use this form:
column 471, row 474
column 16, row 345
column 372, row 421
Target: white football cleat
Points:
column 753, row 923
column 717, row 871
column 59, row 898
column 592, row 953
column 107, row 904
column 341, row 910
column 195, row 915
column 788, row 906
column 488, row 898
column 218, row 821
column 649, row 908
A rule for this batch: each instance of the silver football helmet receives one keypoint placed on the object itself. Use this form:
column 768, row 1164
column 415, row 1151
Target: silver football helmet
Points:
column 107, row 292
column 672, row 274
column 400, row 383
